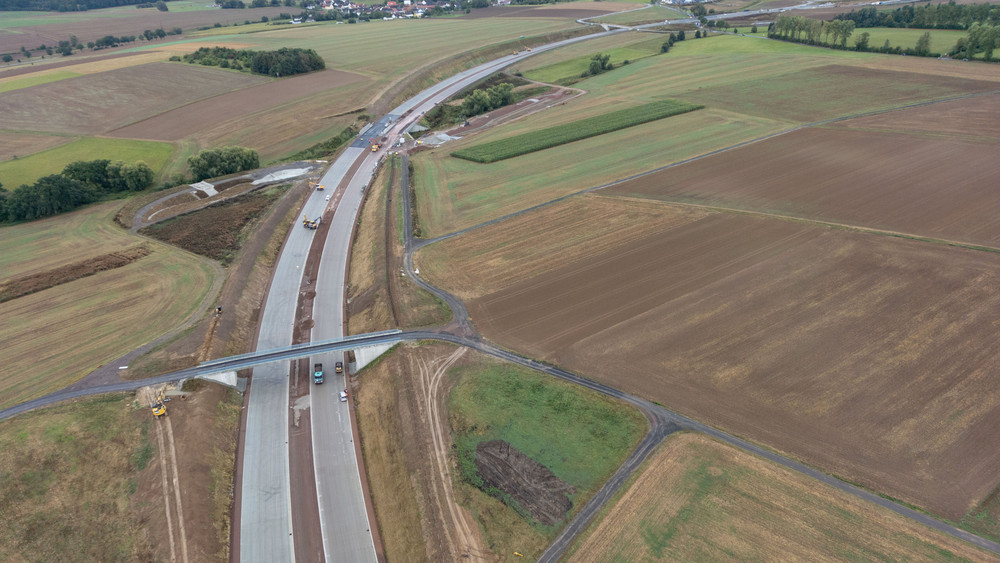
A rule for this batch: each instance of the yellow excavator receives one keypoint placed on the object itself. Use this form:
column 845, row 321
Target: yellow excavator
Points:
column 157, row 406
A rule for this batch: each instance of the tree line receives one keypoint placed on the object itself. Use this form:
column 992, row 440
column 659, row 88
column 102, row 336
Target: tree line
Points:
column 931, row 16
column 78, row 184
column 282, row 62
column 63, row 5
column 982, row 38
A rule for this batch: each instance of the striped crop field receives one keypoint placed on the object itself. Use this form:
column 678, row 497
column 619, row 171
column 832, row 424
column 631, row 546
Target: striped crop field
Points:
column 575, row 131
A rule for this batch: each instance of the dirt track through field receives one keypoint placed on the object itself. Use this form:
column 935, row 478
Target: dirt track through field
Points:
column 168, row 456
column 464, row 541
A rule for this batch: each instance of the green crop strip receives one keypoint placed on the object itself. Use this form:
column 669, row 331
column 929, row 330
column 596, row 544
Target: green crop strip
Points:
column 575, row 131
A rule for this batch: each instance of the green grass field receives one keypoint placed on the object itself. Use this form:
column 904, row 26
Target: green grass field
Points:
column 580, row 436
column 26, row 170
column 647, row 15
column 35, row 80
column 542, row 139
column 559, row 425
column 942, row 40
column 68, row 475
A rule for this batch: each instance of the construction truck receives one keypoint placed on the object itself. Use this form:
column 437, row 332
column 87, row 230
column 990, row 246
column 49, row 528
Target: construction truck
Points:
column 311, row 223
column 376, row 147
column 317, row 373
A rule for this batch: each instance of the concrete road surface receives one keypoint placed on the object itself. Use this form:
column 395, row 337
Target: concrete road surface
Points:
column 265, row 505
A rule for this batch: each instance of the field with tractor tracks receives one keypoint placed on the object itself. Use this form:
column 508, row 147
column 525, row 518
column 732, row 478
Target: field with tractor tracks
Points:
column 870, row 362
column 701, row 499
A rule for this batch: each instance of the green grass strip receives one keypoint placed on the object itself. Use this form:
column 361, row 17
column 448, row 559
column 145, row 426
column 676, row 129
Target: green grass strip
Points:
column 575, row 131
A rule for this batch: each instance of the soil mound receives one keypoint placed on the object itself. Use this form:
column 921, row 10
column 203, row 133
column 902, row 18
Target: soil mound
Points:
column 530, row 483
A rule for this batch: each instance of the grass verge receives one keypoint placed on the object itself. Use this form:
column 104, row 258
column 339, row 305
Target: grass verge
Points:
column 579, row 435
column 567, row 133
column 67, row 474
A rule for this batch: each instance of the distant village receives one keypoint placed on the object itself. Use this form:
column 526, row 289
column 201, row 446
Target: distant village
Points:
column 390, row 11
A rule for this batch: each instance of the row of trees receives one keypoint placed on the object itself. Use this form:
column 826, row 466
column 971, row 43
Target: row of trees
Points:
column 67, row 47
column 210, row 163
column 931, row 16
column 806, row 30
column 64, row 5
column 983, row 38
column 78, row 184
column 282, row 62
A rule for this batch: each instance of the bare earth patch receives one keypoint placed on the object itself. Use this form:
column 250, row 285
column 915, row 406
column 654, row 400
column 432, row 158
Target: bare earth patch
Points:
column 528, row 482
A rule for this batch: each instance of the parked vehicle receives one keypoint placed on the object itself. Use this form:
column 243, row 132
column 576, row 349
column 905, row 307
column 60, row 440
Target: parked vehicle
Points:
column 343, row 396
column 318, row 373
column 339, row 368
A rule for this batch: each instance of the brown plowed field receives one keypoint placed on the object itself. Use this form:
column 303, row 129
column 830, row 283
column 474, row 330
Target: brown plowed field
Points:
column 184, row 121
column 971, row 118
column 916, row 184
column 17, row 144
column 108, row 100
column 871, row 357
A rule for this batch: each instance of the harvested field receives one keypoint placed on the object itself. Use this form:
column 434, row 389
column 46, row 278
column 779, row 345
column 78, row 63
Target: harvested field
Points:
column 518, row 249
column 51, row 28
column 16, row 145
column 579, row 10
column 54, row 337
column 109, row 100
column 833, row 90
column 870, row 362
column 182, row 122
column 916, row 184
column 34, row 283
column 973, row 119
column 699, row 499
column 46, row 244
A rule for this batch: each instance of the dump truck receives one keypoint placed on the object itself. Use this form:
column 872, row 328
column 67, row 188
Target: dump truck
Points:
column 317, row 373
column 339, row 368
